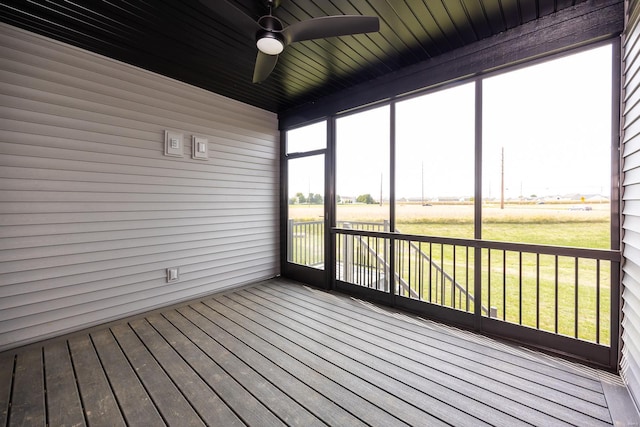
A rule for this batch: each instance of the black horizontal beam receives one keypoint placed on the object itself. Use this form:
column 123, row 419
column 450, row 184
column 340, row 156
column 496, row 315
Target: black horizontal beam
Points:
column 586, row 23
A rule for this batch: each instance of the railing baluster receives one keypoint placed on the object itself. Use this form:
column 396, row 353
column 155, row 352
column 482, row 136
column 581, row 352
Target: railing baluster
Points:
column 338, row 257
column 520, row 287
column 431, row 272
column 301, row 244
column 299, row 251
column 442, row 290
column 409, row 269
column 504, row 285
column 537, row 291
column 466, row 280
column 320, row 248
column 598, row 301
column 398, row 261
column 374, row 264
column 453, row 288
column 308, row 242
column 556, row 294
column 348, row 256
column 359, row 265
column 307, row 245
column 367, row 270
column 575, row 309
column 420, row 272
column 311, row 244
column 377, row 264
column 489, row 278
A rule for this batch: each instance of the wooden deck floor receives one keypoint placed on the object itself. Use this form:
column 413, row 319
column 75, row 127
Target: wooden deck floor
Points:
column 279, row 353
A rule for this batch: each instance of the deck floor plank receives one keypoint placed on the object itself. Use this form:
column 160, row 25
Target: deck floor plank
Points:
column 249, row 409
column 135, row 403
column 28, row 391
column 205, row 401
column 420, row 373
column 63, row 398
column 540, row 400
column 338, row 391
column 279, row 353
column 172, row 405
column 100, row 405
column 582, row 381
column 405, row 325
column 245, row 374
column 517, row 361
column 409, row 402
column 423, row 392
column 6, row 384
column 289, row 410
column 307, row 397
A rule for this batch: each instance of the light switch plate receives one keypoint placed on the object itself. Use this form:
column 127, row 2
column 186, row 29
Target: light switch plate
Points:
column 173, row 145
column 199, row 148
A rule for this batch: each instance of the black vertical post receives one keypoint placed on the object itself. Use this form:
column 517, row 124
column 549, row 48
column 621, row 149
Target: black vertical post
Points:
column 392, row 197
column 477, row 268
column 616, row 202
column 330, row 204
column 284, row 204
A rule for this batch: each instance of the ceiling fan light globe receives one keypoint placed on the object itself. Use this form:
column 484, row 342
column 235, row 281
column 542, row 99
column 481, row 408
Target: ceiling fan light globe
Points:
column 270, row 45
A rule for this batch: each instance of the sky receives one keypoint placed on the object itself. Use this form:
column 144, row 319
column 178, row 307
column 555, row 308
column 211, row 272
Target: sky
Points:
column 553, row 121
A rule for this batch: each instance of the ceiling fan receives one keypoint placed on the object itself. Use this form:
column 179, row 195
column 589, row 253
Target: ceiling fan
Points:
column 272, row 37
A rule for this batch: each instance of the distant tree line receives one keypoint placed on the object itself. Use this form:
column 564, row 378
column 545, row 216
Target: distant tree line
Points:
column 365, row 198
column 311, row 199
column 317, row 199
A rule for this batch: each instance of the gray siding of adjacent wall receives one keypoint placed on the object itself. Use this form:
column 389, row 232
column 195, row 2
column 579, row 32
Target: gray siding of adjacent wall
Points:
column 631, row 209
column 92, row 212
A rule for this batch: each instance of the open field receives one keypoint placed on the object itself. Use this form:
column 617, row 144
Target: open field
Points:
column 461, row 213
column 522, row 287
column 551, row 223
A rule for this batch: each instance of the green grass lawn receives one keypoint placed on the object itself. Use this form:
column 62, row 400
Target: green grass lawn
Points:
column 593, row 234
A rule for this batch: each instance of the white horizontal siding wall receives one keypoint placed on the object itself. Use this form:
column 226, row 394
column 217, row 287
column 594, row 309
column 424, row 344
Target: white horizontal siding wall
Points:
column 630, row 363
column 92, row 212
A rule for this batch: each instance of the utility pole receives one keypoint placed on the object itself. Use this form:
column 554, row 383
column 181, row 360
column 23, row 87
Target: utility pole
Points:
column 381, row 189
column 422, row 180
column 502, row 180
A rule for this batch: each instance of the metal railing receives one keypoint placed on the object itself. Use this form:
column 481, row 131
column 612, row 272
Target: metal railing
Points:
column 306, row 247
column 305, row 239
column 561, row 290
column 305, row 243
column 565, row 291
column 438, row 273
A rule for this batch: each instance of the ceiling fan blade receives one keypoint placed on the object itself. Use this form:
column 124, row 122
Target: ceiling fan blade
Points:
column 264, row 66
column 234, row 16
column 330, row 26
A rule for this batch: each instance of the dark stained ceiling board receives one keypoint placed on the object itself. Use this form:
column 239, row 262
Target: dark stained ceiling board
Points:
column 189, row 42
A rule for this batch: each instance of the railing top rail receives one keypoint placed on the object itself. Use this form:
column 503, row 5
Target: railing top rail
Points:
column 602, row 254
column 306, row 222
column 379, row 224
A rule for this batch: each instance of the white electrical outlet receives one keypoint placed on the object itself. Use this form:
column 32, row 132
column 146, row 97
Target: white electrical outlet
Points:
column 199, row 148
column 173, row 274
column 173, row 144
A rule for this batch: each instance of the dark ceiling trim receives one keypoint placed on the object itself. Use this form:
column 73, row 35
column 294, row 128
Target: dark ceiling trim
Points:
column 585, row 23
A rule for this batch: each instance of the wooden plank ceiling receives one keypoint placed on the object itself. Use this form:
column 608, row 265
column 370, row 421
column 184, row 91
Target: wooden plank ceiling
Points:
column 189, row 42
